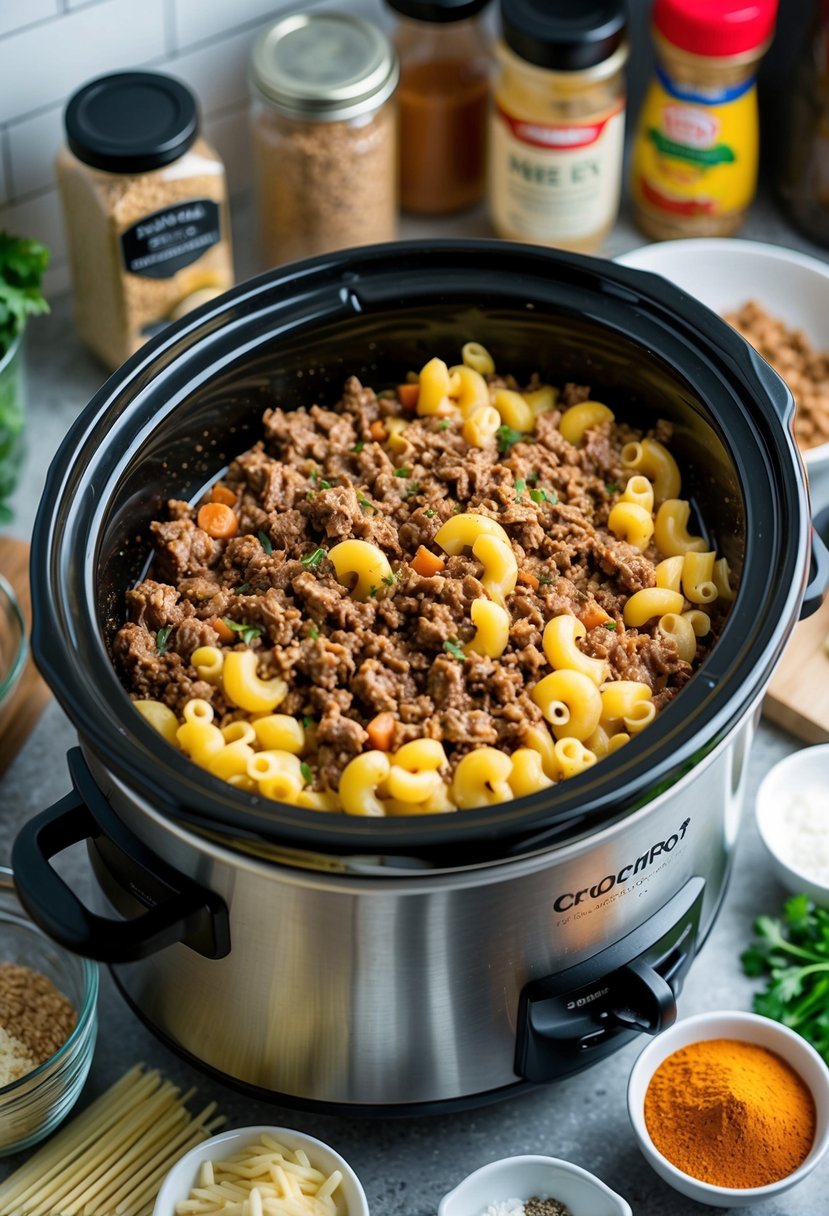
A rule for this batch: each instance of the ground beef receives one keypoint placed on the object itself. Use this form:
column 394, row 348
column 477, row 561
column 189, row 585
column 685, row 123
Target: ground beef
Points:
column 323, row 475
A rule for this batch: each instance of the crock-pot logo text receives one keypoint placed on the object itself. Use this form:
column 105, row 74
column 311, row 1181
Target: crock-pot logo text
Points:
column 571, row 899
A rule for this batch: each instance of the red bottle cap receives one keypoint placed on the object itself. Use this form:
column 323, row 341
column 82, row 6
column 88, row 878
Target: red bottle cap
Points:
column 715, row 27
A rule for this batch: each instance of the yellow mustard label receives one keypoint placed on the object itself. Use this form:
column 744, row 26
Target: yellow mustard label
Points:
column 695, row 154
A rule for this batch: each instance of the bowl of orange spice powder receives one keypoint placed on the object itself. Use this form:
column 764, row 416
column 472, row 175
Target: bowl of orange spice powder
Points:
column 730, row 1108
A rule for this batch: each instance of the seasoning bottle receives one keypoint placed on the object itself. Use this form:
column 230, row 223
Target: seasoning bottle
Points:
column 324, row 135
column 803, row 182
column 144, row 204
column 446, row 64
column 697, row 143
column 557, row 126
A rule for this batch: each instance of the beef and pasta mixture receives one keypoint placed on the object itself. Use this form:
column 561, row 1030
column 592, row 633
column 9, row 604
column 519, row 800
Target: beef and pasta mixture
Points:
column 435, row 597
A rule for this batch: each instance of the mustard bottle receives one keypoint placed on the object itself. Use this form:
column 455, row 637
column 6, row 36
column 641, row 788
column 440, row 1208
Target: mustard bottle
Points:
column 695, row 156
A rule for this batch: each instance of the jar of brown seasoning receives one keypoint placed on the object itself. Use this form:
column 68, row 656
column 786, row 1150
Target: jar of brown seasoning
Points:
column 324, row 135
column 145, row 209
column 446, row 63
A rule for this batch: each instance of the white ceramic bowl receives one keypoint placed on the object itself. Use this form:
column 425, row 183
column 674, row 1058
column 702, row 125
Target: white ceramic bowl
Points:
column 802, row 771
column 524, row 1177
column 725, row 273
column 349, row 1195
column 750, row 1028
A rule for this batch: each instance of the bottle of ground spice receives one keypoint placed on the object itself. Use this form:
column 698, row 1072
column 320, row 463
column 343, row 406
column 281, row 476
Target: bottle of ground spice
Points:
column 145, row 209
column 324, row 135
column 446, row 64
column 696, row 150
column 557, row 127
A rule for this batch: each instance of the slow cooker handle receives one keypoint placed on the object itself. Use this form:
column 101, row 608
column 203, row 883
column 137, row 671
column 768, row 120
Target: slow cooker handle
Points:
column 818, row 577
column 183, row 911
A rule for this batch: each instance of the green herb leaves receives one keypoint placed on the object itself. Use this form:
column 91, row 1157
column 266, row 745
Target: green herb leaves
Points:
column 313, row 633
column 507, row 436
column 794, row 953
column 403, row 471
column 161, row 638
column 22, row 265
column 264, row 541
column 247, row 633
column 611, row 625
column 520, row 487
column 311, row 561
column 543, row 495
column 454, row 648
column 307, row 774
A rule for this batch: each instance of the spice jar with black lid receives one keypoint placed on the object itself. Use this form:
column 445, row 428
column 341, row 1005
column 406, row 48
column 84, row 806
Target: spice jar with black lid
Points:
column 446, row 65
column 557, row 125
column 324, row 135
column 144, row 203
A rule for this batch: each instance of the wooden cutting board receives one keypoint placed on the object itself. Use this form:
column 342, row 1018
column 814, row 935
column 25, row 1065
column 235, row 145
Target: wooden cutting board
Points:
column 31, row 694
column 798, row 696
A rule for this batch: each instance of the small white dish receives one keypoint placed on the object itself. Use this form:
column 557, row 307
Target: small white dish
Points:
column 749, row 1028
column 349, row 1196
column 725, row 273
column 526, row 1176
column 803, row 771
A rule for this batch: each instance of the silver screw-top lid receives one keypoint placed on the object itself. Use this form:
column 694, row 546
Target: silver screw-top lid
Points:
column 324, row 66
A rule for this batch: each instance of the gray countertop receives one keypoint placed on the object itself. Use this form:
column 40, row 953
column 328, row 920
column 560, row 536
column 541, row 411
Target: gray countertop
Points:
column 406, row 1165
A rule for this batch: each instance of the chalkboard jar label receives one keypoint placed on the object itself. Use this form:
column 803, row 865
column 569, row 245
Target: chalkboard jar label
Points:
column 164, row 242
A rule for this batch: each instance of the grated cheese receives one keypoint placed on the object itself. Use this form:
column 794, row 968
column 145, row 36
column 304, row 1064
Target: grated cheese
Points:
column 806, row 840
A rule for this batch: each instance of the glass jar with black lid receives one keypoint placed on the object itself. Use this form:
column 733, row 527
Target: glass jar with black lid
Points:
column 557, row 126
column 144, row 202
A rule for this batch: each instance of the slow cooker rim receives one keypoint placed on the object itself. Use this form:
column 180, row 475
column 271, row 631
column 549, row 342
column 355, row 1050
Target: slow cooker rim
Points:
column 190, row 794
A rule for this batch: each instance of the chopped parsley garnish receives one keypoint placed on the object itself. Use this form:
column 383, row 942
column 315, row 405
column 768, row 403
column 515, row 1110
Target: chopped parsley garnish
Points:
column 454, row 648
column 247, row 633
column 391, row 579
column 411, row 489
column 611, row 625
column 310, row 495
column 242, row 589
column 264, row 541
column 311, row 561
column 315, row 476
column 372, row 590
column 161, row 638
column 430, row 513
column 544, row 580
column 313, row 633
column 358, row 447
column 543, row 495
column 366, row 505
column 307, row 775
column 612, row 487
column 307, row 722
column 520, row 487
column 443, row 425
column 507, row 436
column 403, row 471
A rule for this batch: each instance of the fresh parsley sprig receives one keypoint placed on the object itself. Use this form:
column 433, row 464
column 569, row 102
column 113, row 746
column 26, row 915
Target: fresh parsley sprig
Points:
column 22, row 265
column 247, row 633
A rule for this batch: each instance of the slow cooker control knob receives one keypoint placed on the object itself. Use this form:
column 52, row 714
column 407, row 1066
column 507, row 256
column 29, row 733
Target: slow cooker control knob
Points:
column 642, row 999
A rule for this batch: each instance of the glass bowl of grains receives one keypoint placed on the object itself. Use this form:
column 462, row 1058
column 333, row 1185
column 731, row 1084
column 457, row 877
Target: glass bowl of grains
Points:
column 48, row 1026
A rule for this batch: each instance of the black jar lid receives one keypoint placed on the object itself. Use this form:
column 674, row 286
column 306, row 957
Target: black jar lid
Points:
column 438, row 10
column 563, row 35
column 131, row 122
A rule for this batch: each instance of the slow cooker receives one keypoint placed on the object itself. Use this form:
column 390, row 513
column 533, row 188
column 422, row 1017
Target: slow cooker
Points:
column 414, row 964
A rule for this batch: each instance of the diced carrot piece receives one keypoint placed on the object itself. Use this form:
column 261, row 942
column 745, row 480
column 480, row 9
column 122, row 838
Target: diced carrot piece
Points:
column 529, row 580
column 426, row 564
column 407, row 395
column 223, row 494
column 225, row 634
column 218, row 521
column 592, row 615
column 378, row 431
column 380, row 731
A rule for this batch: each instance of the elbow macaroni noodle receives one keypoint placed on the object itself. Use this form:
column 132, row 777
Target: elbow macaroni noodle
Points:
column 586, row 715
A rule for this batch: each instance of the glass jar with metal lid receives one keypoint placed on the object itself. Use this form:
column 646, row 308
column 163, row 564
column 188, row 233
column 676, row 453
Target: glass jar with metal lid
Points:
column 324, row 135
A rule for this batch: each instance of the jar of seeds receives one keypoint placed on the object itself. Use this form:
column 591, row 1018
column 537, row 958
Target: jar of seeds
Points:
column 145, row 210
column 324, row 135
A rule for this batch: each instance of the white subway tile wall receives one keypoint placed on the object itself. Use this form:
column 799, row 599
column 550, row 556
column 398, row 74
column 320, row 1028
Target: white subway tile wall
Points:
column 50, row 47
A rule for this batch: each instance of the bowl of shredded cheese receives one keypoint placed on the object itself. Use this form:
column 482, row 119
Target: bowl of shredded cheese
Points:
column 792, row 813
column 262, row 1171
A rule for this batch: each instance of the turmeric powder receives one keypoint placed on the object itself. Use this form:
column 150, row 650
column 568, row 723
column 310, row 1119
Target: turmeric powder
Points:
column 730, row 1113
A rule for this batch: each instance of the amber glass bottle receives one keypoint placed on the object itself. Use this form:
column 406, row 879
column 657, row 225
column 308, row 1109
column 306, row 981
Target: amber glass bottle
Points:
column 445, row 68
